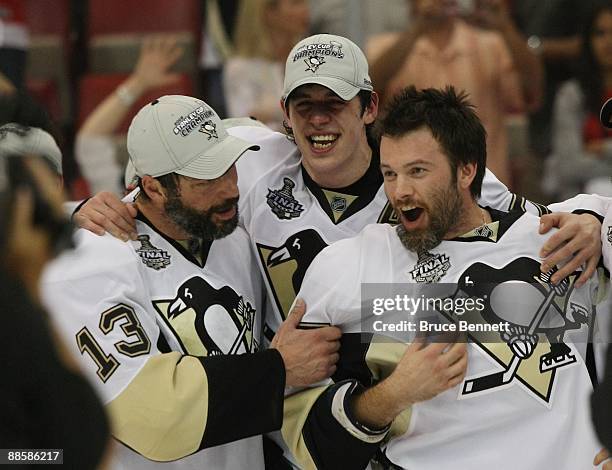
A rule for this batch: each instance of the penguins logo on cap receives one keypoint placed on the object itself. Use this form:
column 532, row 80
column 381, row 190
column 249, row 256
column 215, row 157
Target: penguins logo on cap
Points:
column 210, row 129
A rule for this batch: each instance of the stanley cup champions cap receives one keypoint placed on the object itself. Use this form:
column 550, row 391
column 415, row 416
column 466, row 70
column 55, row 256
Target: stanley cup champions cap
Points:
column 328, row 60
column 183, row 135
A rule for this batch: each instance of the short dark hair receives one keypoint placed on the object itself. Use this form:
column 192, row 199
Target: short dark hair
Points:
column 365, row 98
column 21, row 108
column 169, row 182
column 449, row 116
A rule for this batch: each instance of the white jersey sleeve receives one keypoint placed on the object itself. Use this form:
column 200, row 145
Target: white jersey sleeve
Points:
column 606, row 240
column 103, row 308
column 592, row 203
column 496, row 195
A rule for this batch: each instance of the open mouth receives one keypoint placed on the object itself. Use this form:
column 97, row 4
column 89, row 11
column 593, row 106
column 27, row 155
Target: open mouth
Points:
column 411, row 213
column 226, row 211
column 322, row 141
column 229, row 213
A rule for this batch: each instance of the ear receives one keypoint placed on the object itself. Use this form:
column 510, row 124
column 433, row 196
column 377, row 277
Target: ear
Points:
column 371, row 111
column 154, row 190
column 465, row 175
column 285, row 112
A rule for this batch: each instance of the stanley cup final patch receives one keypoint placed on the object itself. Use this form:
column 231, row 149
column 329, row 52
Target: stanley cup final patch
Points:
column 151, row 256
column 430, row 267
column 282, row 202
column 610, row 234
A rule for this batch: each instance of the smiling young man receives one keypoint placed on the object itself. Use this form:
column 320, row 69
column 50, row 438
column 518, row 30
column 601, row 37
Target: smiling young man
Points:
column 525, row 387
column 168, row 326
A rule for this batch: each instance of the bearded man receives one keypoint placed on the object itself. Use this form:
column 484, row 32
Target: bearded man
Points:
column 168, row 326
column 505, row 397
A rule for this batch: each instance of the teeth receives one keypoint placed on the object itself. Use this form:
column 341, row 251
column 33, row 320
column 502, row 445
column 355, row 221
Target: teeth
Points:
column 319, row 146
column 323, row 138
column 407, row 208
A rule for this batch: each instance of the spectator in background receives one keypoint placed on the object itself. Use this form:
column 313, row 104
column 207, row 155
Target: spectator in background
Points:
column 553, row 30
column 18, row 106
column 266, row 30
column 441, row 48
column 95, row 149
column 581, row 147
column 216, row 48
column 46, row 403
column 14, row 41
column 334, row 17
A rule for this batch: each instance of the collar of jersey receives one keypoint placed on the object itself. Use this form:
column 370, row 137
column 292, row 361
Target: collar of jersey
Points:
column 205, row 245
column 504, row 220
column 365, row 188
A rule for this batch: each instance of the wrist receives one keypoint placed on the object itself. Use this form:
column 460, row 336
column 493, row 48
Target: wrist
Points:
column 399, row 399
column 534, row 43
column 129, row 91
column 376, row 407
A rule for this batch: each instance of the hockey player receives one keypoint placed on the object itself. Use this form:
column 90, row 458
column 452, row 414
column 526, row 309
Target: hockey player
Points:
column 324, row 184
column 601, row 409
column 523, row 403
column 162, row 324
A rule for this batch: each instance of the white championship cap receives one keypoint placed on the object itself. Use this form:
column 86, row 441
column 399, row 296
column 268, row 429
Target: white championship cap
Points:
column 183, row 135
column 332, row 61
column 23, row 140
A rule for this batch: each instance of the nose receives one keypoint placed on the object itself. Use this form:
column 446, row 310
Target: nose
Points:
column 403, row 189
column 319, row 116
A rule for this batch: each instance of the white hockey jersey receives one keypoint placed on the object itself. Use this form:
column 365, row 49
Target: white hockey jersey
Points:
column 290, row 219
column 606, row 240
column 161, row 334
column 515, row 409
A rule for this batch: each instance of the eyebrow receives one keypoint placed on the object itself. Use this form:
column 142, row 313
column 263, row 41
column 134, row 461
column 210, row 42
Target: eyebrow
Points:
column 420, row 161
column 303, row 96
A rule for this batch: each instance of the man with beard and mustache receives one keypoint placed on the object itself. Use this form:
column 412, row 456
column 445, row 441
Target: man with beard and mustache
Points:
column 409, row 397
column 168, row 326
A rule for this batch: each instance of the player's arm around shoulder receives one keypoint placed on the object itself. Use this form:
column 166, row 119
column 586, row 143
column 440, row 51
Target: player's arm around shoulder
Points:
column 102, row 305
column 606, row 240
column 320, row 420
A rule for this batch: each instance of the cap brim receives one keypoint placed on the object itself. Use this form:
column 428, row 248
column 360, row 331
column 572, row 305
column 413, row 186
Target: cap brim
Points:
column 340, row 87
column 217, row 160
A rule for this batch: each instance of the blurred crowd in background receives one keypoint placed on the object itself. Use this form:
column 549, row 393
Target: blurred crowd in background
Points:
column 537, row 70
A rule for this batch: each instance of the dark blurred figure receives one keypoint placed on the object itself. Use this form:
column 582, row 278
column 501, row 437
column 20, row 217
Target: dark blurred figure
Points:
column 217, row 46
column 14, row 41
column 553, row 30
column 19, row 107
column 581, row 158
column 46, row 403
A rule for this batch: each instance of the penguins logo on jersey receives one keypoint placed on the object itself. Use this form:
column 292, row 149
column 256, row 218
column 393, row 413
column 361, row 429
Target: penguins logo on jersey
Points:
column 610, row 234
column 151, row 256
column 538, row 313
column 209, row 321
column 210, row 129
column 430, row 267
column 286, row 265
column 282, row 202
